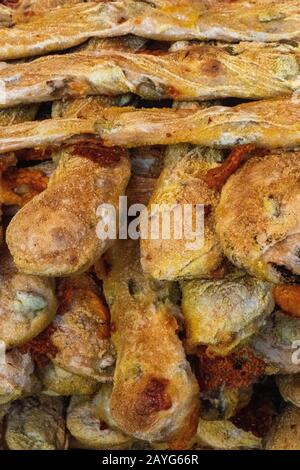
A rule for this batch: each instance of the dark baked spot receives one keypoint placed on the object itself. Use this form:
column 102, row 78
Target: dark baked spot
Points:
column 154, row 397
column 212, row 67
column 207, row 210
column 65, row 297
column 276, row 207
column 35, row 154
column 258, row 415
column 73, row 259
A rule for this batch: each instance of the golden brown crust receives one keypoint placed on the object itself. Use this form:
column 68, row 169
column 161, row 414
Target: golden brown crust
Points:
column 257, row 219
column 90, row 107
column 36, row 424
column 182, row 181
column 55, row 233
column 266, row 123
column 27, row 303
column 155, row 394
column 31, row 7
column 222, row 313
column 239, row 21
column 199, row 72
column 285, row 432
column 224, row 435
column 58, row 130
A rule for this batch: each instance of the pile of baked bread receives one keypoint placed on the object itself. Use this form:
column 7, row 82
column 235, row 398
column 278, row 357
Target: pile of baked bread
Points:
column 121, row 343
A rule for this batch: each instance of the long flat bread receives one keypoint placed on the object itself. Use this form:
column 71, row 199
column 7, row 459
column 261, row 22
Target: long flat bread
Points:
column 65, row 27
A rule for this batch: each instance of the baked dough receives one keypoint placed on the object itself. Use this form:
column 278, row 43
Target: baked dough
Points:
column 78, row 339
column 223, row 313
column 36, row 423
column 289, row 388
column 155, row 395
column 258, row 217
column 27, row 303
column 182, row 181
column 55, row 233
column 92, row 431
column 174, row 20
column 285, row 431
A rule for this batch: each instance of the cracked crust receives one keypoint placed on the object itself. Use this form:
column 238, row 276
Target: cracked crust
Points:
column 90, row 430
column 155, row 395
column 16, row 376
column 285, row 431
column 27, row 303
column 223, row 313
column 168, row 21
column 55, row 233
column 36, row 424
